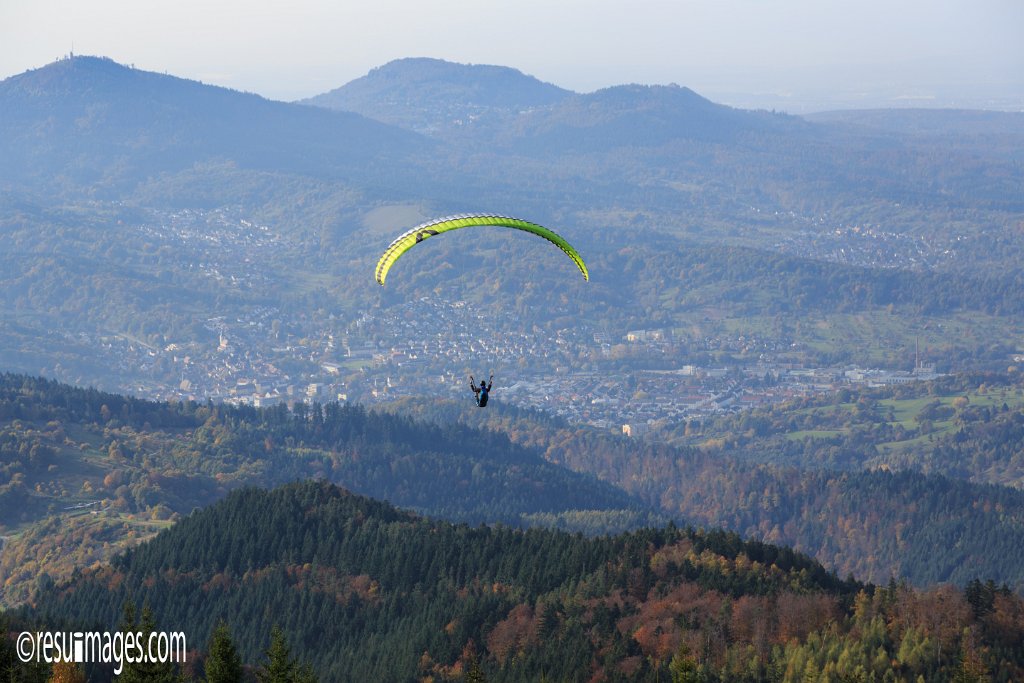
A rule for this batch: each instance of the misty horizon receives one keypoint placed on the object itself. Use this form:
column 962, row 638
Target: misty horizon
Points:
column 818, row 94
column 794, row 56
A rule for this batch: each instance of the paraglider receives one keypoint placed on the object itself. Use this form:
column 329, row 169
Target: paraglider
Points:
column 424, row 231
column 481, row 392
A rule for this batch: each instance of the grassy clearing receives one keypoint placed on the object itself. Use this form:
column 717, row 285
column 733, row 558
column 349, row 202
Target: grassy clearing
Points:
column 816, row 434
column 357, row 363
column 905, row 412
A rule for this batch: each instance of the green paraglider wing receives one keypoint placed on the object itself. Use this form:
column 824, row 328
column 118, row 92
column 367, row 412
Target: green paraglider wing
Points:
column 411, row 238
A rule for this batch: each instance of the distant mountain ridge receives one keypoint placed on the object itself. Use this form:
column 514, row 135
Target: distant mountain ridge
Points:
column 92, row 119
column 87, row 123
column 642, row 116
column 442, row 98
column 429, row 94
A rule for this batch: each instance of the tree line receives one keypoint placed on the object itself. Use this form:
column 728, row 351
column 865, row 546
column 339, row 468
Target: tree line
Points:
column 362, row 591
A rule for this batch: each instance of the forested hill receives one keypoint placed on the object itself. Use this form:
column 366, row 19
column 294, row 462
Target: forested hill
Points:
column 832, row 494
column 366, row 592
column 499, row 104
column 138, row 465
column 412, row 464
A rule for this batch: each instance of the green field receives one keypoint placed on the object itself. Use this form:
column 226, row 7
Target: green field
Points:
column 905, row 412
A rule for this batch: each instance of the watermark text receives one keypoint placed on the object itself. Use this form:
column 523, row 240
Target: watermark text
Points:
column 117, row 648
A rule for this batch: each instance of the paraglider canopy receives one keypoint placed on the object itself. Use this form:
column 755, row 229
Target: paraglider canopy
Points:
column 411, row 238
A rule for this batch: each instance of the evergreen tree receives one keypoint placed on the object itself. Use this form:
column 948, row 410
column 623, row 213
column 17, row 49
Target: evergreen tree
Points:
column 548, row 626
column 683, row 667
column 281, row 667
column 223, row 665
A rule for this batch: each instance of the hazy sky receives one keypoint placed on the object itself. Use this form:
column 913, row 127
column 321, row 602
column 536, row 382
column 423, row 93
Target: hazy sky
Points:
column 745, row 52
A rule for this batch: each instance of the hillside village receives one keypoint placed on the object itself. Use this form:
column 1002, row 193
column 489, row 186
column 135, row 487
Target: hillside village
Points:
column 626, row 380
column 428, row 349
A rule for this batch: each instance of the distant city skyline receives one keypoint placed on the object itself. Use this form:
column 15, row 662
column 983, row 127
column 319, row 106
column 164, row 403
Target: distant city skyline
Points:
column 793, row 55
